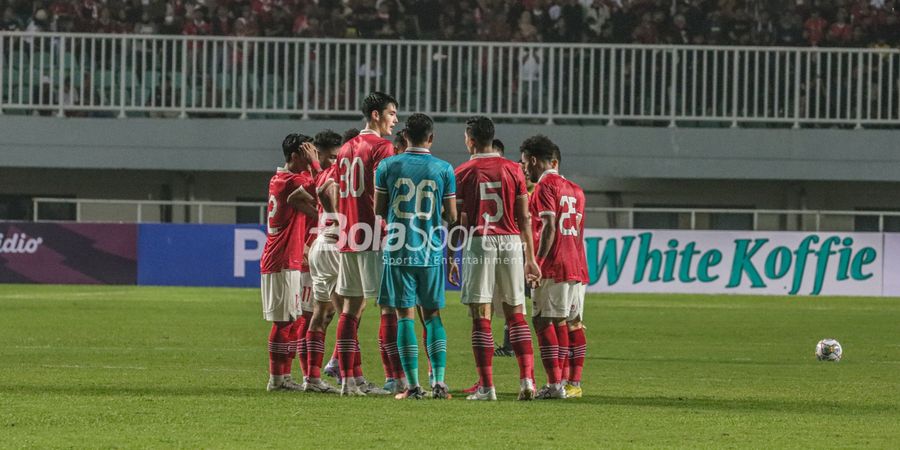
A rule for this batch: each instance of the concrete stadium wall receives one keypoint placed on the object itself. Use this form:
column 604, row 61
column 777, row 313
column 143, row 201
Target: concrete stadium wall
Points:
column 594, row 152
column 228, row 160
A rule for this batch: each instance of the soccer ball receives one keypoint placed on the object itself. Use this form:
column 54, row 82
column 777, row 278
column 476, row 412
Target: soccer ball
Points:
column 829, row 350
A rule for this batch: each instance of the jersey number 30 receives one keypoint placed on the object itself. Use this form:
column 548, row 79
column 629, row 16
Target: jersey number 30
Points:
column 353, row 177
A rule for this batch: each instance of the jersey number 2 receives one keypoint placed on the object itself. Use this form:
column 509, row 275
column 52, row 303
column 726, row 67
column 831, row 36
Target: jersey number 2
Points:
column 273, row 209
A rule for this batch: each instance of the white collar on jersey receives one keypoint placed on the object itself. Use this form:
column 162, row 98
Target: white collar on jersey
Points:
column 283, row 169
column 370, row 131
column 418, row 150
column 546, row 172
column 486, row 155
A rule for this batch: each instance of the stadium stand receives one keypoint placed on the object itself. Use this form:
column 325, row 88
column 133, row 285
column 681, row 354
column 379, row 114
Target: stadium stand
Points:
column 838, row 23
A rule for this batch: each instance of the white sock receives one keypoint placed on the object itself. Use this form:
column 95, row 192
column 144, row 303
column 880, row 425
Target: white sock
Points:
column 276, row 380
column 360, row 380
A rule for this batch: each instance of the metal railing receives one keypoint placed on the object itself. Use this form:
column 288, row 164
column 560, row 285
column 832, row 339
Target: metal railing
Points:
column 139, row 211
column 597, row 217
column 91, row 74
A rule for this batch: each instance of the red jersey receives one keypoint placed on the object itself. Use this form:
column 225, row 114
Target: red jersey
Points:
column 487, row 186
column 355, row 176
column 283, row 250
column 306, row 225
column 323, row 181
column 579, row 207
column 559, row 197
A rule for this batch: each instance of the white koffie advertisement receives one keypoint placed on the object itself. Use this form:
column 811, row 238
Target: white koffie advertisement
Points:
column 773, row 263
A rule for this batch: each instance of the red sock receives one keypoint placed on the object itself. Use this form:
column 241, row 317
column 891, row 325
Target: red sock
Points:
column 288, row 362
column 483, row 349
column 301, row 342
column 387, row 344
column 278, row 347
column 549, row 352
column 334, row 352
column 520, row 338
column 357, row 361
column 357, row 355
column 346, row 344
column 578, row 344
column 315, row 348
column 562, row 338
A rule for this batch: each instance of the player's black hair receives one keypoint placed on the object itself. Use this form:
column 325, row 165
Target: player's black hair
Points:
column 497, row 144
column 418, row 127
column 327, row 139
column 400, row 139
column 481, row 130
column 349, row 134
column 540, row 147
column 377, row 101
column 291, row 144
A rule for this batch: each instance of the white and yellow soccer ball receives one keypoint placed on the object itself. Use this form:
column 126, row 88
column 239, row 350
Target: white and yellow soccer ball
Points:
column 829, row 350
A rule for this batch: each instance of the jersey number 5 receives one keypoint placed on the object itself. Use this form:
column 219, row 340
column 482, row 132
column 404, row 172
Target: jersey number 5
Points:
column 568, row 204
column 491, row 197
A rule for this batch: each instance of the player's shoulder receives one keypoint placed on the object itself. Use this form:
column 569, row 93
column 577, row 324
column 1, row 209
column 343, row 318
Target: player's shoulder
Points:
column 575, row 187
column 511, row 167
column 442, row 163
column 377, row 143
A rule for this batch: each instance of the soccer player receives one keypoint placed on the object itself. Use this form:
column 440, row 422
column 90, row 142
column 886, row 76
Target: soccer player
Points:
column 556, row 208
column 360, row 261
column 414, row 191
column 281, row 258
column 400, row 143
column 332, row 369
column 574, row 363
column 506, row 349
column 323, row 262
column 499, row 255
column 304, row 233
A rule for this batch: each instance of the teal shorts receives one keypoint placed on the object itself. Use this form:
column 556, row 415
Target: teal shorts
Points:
column 408, row 286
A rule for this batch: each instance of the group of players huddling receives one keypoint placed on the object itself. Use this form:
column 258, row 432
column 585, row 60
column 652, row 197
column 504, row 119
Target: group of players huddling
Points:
column 356, row 217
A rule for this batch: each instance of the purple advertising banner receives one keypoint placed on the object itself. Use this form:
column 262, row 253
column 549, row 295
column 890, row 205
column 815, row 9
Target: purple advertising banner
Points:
column 68, row 253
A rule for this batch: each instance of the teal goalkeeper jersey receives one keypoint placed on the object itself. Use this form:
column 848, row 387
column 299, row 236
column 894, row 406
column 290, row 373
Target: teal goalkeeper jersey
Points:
column 416, row 183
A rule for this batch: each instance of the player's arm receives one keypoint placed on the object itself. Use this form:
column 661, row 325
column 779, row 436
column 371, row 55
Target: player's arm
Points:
column 455, row 239
column 381, row 192
column 327, row 195
column 381, row 204
column 548, row 234
column 449, row 213
column 310, row 154
column 302, row 201
column 532, row 269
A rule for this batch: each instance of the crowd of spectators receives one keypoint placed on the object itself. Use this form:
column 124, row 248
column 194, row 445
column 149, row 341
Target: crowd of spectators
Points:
column 843, row 23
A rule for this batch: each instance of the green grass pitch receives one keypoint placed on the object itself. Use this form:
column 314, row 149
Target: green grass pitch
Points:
column 178, row 367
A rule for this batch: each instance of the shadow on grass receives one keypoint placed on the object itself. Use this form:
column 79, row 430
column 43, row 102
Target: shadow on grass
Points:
column 682, row 403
